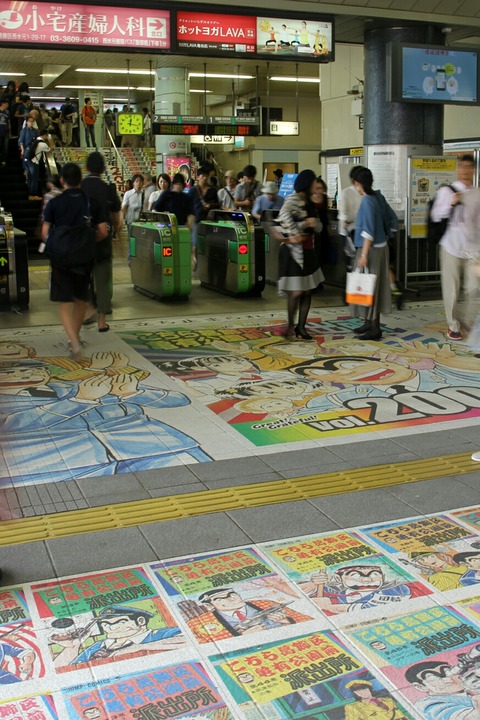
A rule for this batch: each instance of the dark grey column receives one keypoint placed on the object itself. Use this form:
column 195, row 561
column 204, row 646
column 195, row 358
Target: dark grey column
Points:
column 396, row 123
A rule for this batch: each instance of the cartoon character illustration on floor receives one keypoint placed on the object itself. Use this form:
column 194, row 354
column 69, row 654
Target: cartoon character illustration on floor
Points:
column 472, row 560
column 369, row 706
column 92, row 713
column 124, row 630
column 355, row 587
column 468, row 668
column 278, row 397
column 439, row 568
column 205, row 375
column 445, row 696
column 104, row 423
column 223, row 613
column 343, row 379
column 24, row 659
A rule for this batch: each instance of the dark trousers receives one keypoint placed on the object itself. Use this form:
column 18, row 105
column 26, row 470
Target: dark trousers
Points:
column 90, row 135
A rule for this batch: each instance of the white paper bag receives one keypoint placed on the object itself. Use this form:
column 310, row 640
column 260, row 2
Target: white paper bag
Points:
column 360, row 288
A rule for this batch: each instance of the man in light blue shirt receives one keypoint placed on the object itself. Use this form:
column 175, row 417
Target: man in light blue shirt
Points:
column 268, row 200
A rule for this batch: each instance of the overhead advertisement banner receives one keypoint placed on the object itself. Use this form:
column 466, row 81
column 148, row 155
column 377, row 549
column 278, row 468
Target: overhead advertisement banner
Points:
column 300, row 39
column 285, row 38
column 220, row 33
column 83, row 25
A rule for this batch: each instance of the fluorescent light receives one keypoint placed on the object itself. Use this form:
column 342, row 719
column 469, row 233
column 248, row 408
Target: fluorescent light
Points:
column 221, row 75
column 116, row 71
column 200, row 91
column 12, row 74
column 286, row 78
column 92, row 87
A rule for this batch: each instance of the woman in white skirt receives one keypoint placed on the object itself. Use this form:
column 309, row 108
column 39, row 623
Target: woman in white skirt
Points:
column 375, row 221
column 299, row 271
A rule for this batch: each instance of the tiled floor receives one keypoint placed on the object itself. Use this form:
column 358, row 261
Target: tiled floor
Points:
column 377, row 621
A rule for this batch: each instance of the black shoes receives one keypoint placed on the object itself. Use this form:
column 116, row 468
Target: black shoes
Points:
column 303, row 334
column 370, row 335
column 363, row 328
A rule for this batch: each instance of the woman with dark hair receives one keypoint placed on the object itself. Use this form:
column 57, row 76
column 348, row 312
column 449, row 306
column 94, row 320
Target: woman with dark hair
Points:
column 375, row 221
column 176, row 201
column 164, row 182
column 299, row 269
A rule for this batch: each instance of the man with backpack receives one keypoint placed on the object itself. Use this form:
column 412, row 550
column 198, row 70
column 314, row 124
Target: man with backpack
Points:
column 72, row 211
column 456, row 247
column 32, row 146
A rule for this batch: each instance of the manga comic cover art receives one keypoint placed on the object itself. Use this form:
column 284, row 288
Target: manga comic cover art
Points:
column 432, row 656
column 272, row 391
column 104, row 617
column 342, row 574
column 313, row 676
column 179, row 691
column 20, row 656
column 33, row 707
column 61, row 419
column 443, row 553
column 470, row 516
column 224, row 595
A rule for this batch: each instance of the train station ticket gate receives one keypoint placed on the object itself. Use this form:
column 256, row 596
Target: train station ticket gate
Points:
column 160, row 256
column 231, row 253
column 14, row 284
column 267, row 222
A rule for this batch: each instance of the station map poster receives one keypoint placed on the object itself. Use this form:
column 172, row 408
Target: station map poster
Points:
column 84, row 26
column 426, row 175
column 285, row 38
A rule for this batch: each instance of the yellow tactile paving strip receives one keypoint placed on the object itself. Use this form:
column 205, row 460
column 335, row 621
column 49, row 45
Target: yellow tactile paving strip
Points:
column 174, row 507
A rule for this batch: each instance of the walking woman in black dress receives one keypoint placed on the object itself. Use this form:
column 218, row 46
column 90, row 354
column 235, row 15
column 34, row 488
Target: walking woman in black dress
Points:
column 299, row 270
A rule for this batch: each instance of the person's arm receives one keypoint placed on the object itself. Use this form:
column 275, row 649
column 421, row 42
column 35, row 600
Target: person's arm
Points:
column 125, row 200
column 256, row 211
column 445, row 200
column 367, row 230
column 117, row 221
column 101, row 231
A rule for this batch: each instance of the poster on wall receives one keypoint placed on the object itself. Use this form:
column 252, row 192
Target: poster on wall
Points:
column 308, row 38
column 177, row 164
column 95, row 27
column 426, row 175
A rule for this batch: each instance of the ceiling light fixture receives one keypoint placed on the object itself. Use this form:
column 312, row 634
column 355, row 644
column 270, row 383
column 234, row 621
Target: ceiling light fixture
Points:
column 221, row 76
column 115, row 71
column 287, row 78
column 12, row 74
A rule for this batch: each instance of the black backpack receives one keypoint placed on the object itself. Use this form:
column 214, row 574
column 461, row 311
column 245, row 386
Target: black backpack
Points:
column 31, row 149
column 436, row 230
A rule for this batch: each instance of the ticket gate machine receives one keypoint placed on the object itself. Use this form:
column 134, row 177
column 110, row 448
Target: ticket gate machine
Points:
column 231, row 253
column 14, row 284
column 160, row 256
column 267, row 222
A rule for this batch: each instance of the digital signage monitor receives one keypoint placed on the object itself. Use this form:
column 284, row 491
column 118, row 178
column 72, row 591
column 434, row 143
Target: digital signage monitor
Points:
column 433, row 74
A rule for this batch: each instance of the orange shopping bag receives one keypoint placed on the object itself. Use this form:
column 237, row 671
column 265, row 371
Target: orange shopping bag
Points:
column 360, row 288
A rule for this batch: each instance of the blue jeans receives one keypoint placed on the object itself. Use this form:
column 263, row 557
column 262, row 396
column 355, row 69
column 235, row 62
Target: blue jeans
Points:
column 90, row 133
column 33, row 170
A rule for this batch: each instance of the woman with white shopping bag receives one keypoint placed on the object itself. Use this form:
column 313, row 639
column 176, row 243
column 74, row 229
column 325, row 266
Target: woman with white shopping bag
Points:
column 375, row 221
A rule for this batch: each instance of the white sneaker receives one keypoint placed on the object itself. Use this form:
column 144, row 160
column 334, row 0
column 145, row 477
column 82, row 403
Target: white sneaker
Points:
column 476, row 456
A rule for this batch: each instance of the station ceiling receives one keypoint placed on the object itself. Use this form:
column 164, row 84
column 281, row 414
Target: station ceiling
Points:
column 352, row 18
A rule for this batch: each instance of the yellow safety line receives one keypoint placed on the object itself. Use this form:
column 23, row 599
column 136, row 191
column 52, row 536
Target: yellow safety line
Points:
column 174, row 507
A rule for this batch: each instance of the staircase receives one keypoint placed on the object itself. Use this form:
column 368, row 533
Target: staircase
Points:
column 14, row 197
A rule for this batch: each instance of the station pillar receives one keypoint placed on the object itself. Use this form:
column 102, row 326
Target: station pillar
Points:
column 172, row 97
column 395, row 130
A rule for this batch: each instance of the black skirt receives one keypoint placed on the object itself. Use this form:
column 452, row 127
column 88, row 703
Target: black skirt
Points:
column 294, row 278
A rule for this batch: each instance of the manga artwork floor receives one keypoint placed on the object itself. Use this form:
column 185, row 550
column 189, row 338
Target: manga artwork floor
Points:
column 169, row 392
column 378, row 622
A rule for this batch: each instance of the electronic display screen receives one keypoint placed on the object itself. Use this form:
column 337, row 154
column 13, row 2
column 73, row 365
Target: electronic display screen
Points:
column 434, row 75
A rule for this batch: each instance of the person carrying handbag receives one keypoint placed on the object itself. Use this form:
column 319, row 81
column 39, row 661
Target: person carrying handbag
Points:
column 375, row 220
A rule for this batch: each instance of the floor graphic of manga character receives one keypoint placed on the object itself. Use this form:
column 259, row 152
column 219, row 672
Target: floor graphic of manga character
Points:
column 59, row 428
